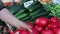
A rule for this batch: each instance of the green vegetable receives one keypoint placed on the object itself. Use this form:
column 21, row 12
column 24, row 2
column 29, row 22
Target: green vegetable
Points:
column 21, row 15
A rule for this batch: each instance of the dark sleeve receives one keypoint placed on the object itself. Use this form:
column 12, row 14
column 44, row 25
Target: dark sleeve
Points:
column 2, row 6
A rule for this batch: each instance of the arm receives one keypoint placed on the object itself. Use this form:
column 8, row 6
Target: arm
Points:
column 7, row 17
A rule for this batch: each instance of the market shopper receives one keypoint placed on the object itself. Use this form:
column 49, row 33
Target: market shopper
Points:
column 7, row 17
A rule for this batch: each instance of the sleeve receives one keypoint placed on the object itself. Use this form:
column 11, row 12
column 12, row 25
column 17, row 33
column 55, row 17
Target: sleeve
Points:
column 2, row 6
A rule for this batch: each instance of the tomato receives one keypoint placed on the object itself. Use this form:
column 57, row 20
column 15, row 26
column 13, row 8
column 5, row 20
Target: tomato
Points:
column 54, row 19
column 42, row 21
column 38, row 28
column 57, row 30
column 47, row 32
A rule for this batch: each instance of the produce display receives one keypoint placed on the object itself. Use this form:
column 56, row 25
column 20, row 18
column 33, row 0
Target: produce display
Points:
column 42, row 18
column 42, row 25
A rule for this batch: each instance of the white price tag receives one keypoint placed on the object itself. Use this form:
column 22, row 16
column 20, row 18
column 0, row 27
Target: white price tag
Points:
column 56, row 1
column 26, row 4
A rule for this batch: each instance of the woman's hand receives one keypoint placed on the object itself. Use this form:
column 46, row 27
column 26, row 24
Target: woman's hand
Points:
column 25, row 26
column 7, row 17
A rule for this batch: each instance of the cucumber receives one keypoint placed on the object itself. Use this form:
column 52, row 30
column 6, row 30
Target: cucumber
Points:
column 20, row 11
column 33, row 7
column 36, row 12
column 41, row 14
column 21, row 15
column 34, row 3
column 26, row 18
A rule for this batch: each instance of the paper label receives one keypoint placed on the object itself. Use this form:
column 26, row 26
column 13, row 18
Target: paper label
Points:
column 26, row 4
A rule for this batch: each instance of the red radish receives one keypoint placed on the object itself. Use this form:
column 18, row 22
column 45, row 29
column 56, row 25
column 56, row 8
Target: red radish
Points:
column 17, row 32
column 7, row 2
column 24, row 32
column 47, row 32
column 57, row 31
column 54, row 19
column 30, row 24
column 42, row 21
column 59, row 23
column 17, row 1
column 53, row 25
column 20, row 31
column 10, row 32
column 38, row 28
column 46, row 28
column 34, row 31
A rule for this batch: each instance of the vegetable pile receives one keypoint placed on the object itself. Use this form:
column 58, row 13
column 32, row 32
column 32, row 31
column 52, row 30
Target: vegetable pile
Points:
column 42, row 19
column 42, row 25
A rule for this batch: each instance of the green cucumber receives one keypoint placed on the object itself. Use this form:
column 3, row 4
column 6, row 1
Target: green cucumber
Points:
column 26, row 18
column 36, row 12
column 21, row 15
column 20, row 11
column 34, row 3
column 41, row 14
column 33, row 7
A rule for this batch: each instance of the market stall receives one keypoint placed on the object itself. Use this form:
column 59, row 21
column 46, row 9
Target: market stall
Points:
column 43, row 16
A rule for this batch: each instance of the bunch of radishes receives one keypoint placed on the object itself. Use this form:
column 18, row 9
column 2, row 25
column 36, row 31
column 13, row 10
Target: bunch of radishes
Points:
column 42, row 25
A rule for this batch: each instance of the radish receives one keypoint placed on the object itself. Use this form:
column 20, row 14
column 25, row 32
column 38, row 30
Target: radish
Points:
column 54, row 19
column 53, row 25
column 30, row 24
column 38, row 28
column 42, row 21
column 57, row 30
column 47, row 32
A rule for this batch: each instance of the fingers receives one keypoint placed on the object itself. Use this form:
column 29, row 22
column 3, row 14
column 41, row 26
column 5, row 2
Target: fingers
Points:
column 25, row 26
column 29, row 29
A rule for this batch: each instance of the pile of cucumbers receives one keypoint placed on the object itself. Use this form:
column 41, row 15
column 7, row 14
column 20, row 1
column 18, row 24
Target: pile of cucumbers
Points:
column 30, row 13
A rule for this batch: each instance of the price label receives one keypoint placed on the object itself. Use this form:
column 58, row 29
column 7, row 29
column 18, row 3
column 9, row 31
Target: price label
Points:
column 26, row 4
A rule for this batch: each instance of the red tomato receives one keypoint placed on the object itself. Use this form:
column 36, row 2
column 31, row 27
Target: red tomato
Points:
column 53, row 25
column 54, row 19
column 57, row 30
column 38, row 28
column 47, row 32
column 42, row 21
column 30, row 24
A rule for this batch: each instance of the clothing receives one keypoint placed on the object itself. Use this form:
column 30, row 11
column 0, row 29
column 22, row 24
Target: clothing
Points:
column 1, row 5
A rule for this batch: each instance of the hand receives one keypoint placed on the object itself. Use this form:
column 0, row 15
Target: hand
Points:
column 25, row 26
column 7, row 17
